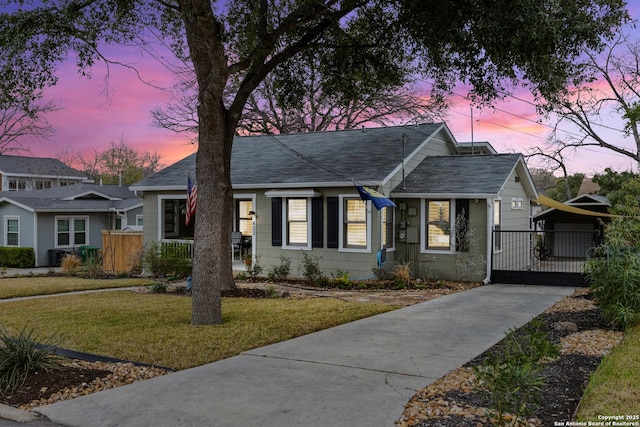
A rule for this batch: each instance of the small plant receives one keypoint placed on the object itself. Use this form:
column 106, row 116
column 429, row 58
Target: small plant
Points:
column 271, row 292
column 341, row 279
column 71, row 264
column 158, row 288
column 92, row 267
column 255, row 269
column 402, row 275
column 311, row 269
column 512, row 380
column 22, row 354
column 281, row 272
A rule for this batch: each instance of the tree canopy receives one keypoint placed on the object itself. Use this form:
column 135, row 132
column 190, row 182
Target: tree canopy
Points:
column 491, row 45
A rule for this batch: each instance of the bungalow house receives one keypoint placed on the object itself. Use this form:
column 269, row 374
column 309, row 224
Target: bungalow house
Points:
column 19, row 173
column 296, row 194
column 62, row 219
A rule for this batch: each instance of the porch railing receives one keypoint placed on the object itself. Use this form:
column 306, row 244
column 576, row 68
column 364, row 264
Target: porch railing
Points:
column 181, row 248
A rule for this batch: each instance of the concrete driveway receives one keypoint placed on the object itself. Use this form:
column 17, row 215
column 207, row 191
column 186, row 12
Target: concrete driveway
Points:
column 358, row 374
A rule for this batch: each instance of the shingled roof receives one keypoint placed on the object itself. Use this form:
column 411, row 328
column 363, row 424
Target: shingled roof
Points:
column 81, row 197
column 460, row 175
column 363, row 155
column 37, row 166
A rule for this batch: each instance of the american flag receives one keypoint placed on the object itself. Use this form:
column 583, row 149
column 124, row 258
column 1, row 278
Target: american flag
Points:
column 192, row 195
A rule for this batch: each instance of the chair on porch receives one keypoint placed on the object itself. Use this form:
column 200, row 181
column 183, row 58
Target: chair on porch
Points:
column 236, row 244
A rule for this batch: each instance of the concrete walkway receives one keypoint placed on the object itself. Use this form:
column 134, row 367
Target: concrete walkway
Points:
column 358, row 374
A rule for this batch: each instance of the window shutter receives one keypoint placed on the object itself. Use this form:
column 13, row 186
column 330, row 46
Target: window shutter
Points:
column 276, row 221
column 317, row 223
column 333, row 211
column 462, row 208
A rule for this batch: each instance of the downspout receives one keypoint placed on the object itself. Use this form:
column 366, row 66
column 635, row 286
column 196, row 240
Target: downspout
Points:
column 487, row 278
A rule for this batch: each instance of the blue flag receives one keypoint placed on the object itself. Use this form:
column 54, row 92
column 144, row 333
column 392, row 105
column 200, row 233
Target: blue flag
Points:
column 378, row 200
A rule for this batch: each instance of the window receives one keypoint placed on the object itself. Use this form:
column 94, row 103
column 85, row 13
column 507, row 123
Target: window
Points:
column 17, row 185
column 517, row 203
column 297, row 222
column 71, row 231
column 438, row 224
column 244, row 221
column 387, row 227
column 42, row 184
column 139, row 219
column 355, row 224
column 12, row 231
column 497, row 225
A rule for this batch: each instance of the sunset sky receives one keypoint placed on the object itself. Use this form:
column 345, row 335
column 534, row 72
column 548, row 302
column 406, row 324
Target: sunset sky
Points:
column 92, row 119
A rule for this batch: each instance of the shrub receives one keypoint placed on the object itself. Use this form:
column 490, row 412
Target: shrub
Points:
column 158, row 288
column 71, row 264
column 512, row 379
column 93, row 267
column 281, row 272
column 402, row 275
column 614, row 275
column 311, row 269
column 163, row 260
column 255, row 269
column 17, row 257
column 341, row 279
column 21, row 355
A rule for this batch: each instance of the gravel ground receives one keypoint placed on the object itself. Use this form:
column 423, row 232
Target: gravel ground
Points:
column 454, row 401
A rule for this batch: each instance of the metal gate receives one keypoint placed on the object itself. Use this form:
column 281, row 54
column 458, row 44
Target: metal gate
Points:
column 541, row 257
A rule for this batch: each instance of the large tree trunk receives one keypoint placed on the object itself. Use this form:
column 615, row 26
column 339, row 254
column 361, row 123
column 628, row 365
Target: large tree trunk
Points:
column 212, row 269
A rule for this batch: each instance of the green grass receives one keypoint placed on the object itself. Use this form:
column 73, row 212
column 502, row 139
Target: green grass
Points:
column 614, row 389
column 155, row 328
column 15, row 287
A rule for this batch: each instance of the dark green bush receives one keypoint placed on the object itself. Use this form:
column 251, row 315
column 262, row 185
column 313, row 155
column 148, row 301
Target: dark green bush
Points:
column 614, row 274
column 165, row 260
column 17, row 257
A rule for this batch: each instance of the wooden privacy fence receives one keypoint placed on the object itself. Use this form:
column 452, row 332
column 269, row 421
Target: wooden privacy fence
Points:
column 120, row 250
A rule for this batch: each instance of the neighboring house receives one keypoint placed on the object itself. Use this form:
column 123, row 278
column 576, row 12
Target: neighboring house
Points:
column 295, row 194
column 65, row 218
column 18, row 173
column 571, row 233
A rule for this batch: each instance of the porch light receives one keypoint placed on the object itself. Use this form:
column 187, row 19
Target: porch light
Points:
column 252, row 213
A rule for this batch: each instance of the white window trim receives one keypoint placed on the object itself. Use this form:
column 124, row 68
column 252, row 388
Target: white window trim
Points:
column 161, row 199
column 392, row 246
column 423, row 227
column 138, row 218
column 341, row 230
column 71, row 218
column 285, row 237
column 6, row 230
column 493, row 225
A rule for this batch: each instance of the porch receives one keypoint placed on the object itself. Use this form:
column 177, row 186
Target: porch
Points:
column 186, row 247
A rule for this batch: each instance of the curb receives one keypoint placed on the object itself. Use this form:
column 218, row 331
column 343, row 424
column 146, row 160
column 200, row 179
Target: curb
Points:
column 17, row 415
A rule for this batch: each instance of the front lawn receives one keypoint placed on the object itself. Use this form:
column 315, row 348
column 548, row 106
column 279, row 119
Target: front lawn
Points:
column 614, row 389
column 15, row 287
column 156, row 329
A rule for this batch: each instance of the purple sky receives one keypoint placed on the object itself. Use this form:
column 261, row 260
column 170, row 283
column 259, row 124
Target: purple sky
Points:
column 91, row 119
